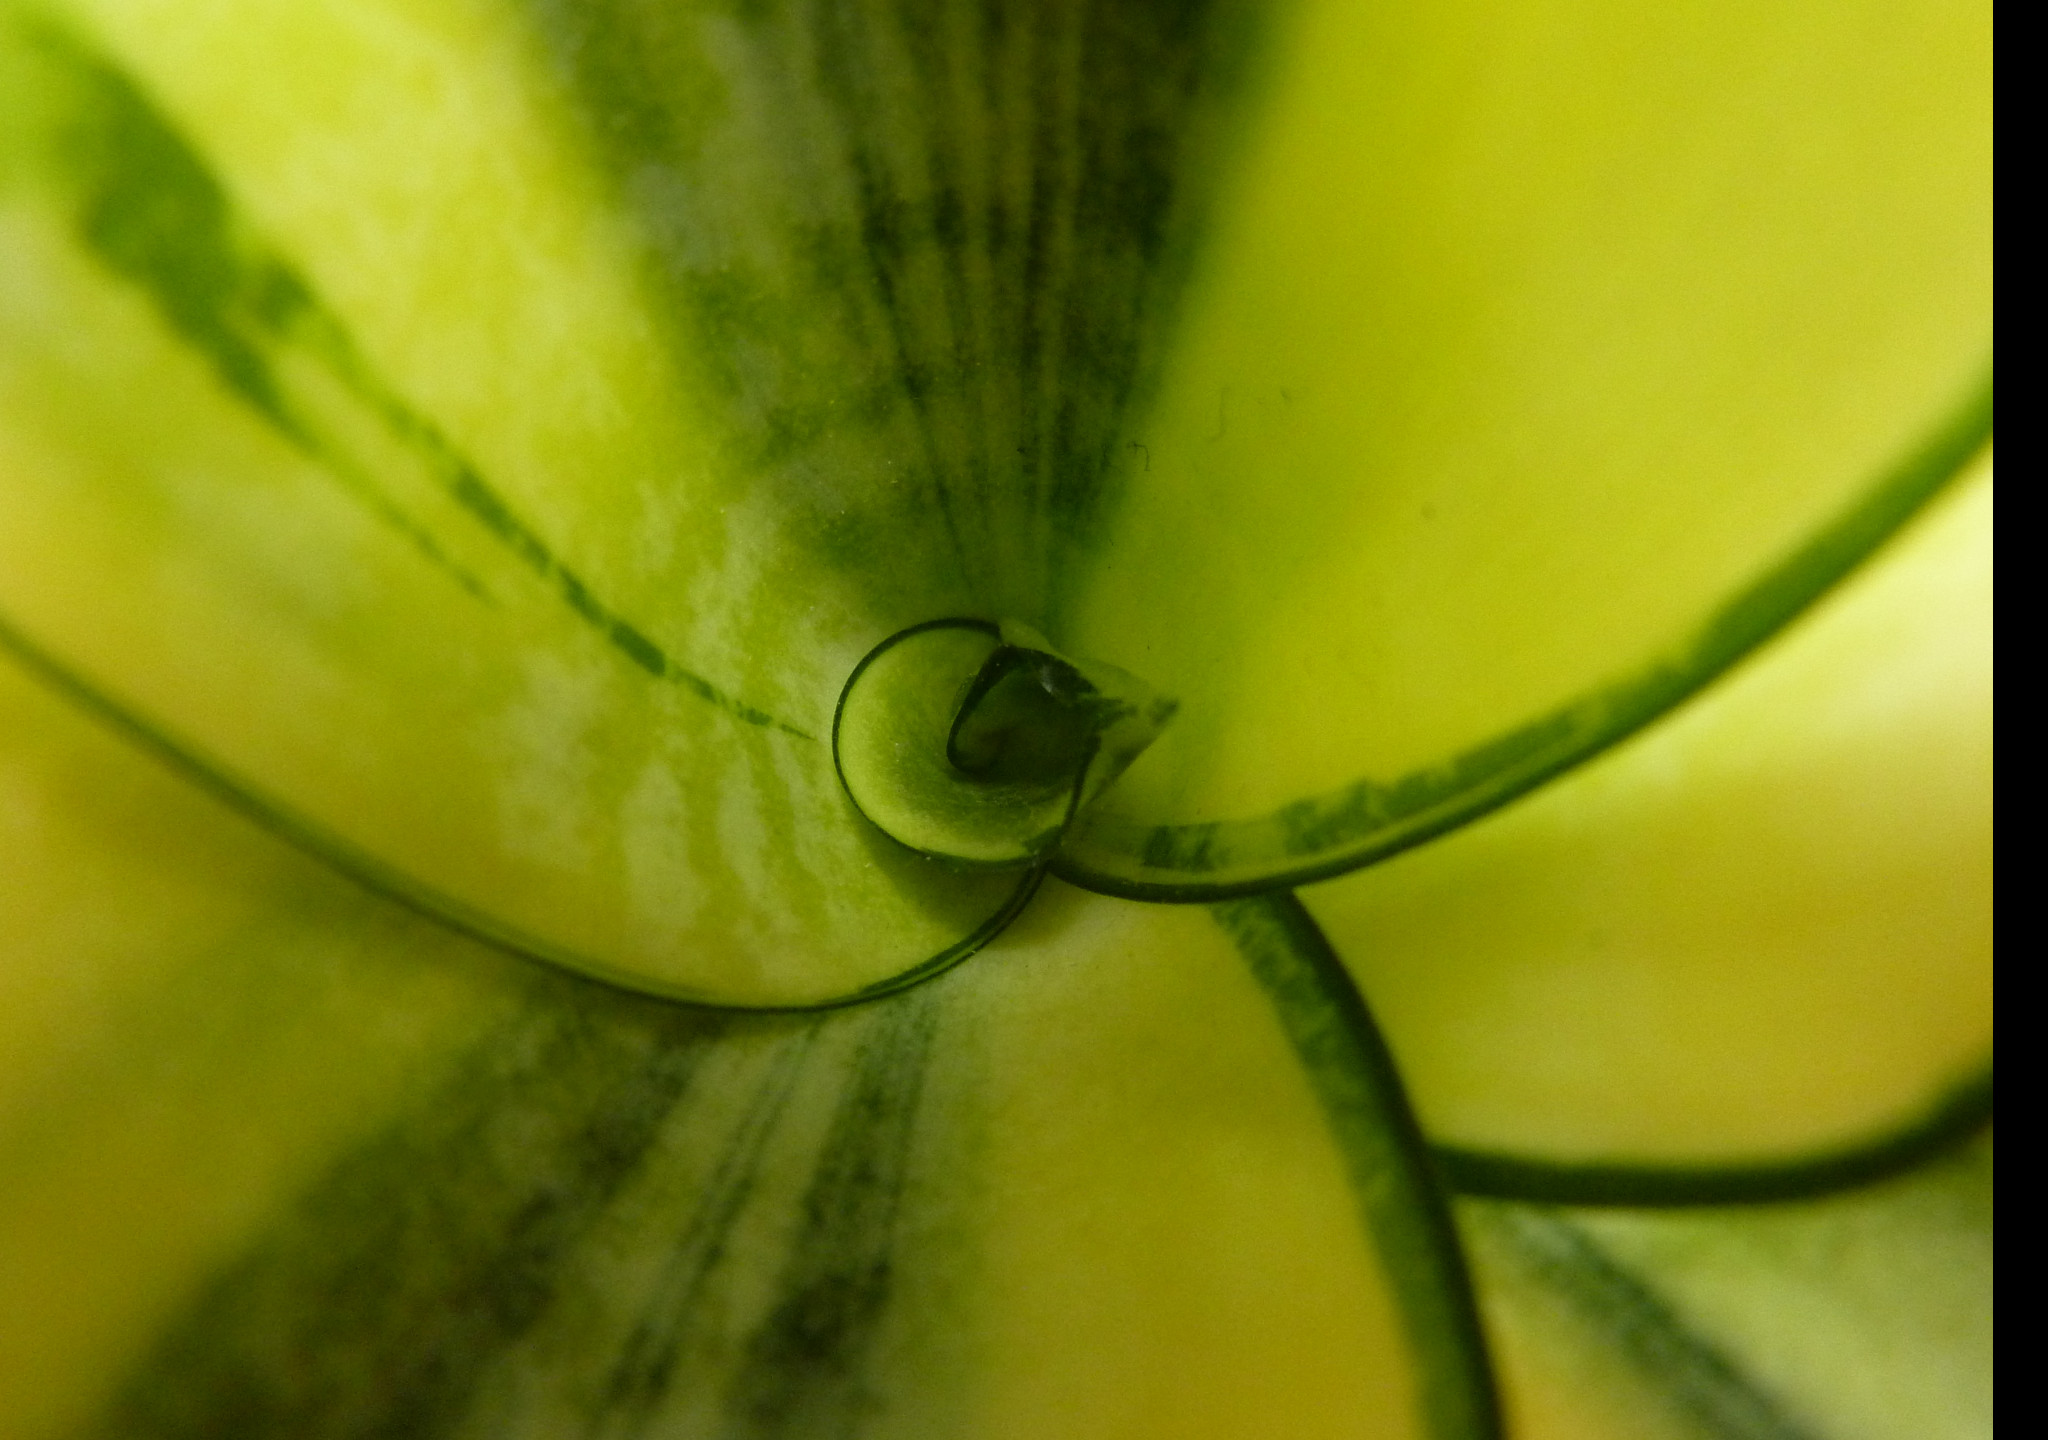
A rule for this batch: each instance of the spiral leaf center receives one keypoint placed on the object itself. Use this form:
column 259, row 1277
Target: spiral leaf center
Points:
column 977, row 743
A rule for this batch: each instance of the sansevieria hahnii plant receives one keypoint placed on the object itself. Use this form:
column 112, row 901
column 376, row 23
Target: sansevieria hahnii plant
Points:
column 969, row 718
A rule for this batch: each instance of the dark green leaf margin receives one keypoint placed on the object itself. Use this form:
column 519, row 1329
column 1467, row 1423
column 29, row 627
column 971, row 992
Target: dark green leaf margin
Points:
column 1391, row 1169
column 1343, row 830
column 281, row 820
column 1952, row 1120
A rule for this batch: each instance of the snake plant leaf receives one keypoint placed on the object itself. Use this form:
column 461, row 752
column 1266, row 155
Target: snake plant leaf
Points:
column 286, row 1159
column 1541, row 360
column 478, row 440
column 503, row 424
column 1757, row 934
column 1866, row 1314
column 382, row 495
column 430, row 490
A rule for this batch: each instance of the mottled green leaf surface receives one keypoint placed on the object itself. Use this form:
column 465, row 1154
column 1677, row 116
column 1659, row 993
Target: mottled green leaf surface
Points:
column 453, row 454
column 503, row 431
column 556, row 402
column 284, row 1159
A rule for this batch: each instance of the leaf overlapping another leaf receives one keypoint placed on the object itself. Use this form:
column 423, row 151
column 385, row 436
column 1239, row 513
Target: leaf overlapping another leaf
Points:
column 477, row 441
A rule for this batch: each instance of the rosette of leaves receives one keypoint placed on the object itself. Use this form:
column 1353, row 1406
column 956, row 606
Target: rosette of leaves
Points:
column 846, row 719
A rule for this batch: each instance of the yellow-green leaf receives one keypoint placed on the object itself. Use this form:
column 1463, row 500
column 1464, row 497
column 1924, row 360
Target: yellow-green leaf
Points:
column 1542, row 359
column 1759, row 931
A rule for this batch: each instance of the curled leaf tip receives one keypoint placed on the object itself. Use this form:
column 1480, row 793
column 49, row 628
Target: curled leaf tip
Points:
column 977, row 742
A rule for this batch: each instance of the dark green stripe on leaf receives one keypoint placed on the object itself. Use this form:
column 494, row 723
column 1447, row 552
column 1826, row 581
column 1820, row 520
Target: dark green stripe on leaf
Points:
column 613, row 1216
column 379, row 1306
column 1695, row 1377
column 147, row 206
column 641, row 1376
column 150, row 211
column 806, row 1368
column 925, row 258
